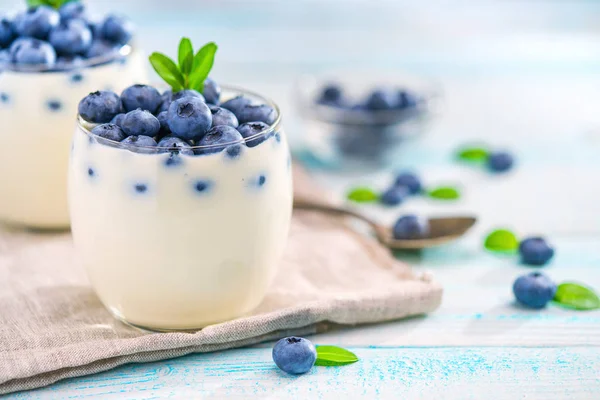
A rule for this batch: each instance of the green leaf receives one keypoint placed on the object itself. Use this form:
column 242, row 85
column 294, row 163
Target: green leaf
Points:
column 444, row 193
column 333, row 356
column 575, row 296
column 203, row 63
column 362, row 195
column 501, row 240
column 51, row 3
column 167, row 70
column 186, row 56
column 473, row 154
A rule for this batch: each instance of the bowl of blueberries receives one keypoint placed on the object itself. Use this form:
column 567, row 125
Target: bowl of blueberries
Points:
column 350, row 122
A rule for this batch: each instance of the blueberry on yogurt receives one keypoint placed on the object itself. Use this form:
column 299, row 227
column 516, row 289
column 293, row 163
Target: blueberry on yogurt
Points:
column 37, row 22
column 222, row 116
column 251, row 129
column 100, row 107
column 189, row 118
column 7, row 32
column 109, row 131
column 140, row 123
column 33, row 51
column 71, row 37
column 117, row 29
column 261, row 112
column 218, row 138
column 236, row 104
column 72, row 10
column 187, row 93
column 141, row 96
column 140, row 144
column 171, row 144
column 212, row 91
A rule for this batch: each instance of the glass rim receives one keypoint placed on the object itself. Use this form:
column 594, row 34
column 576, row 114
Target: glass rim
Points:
column 122, row 52
column 271, row 129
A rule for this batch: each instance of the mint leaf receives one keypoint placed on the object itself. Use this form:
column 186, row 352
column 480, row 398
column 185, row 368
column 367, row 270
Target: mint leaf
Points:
column 473, row 154
column 51, row 3
column 185, row 56
column 575, row 296
column 501, row 240
column 444, row 193
column 203, row 63
column 362, row 195
column 329, row 356
column 168, row 71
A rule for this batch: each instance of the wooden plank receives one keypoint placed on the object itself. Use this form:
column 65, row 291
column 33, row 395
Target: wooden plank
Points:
column 407, row 373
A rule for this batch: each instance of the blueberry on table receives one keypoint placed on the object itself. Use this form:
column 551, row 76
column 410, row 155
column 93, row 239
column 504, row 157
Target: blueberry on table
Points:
column 534, row 290
column 409, row 180
column 175, row 145
column 37, row 22
column 99, row 48
column 500, row 161
column 330, row 95
column 189, row 118
column 7, row 32
column 252, row 113
column 109, row 131
column 294, row 355
column 141, row 96
column 117, row 29
column 33, row 51
column 72, row 10
column 411, row 227
column 381, row 100
column 535, row 251
column 222, row 116
column 100, row 107
column 236, row 104
column 250, row 129
column 212, row 91
column 140, row 144
column 140, row 123
column 71, row 37
column 187, row 93
column 218, row 138
column 394, row 195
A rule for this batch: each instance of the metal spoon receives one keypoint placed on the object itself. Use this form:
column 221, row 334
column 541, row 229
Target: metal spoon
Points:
column 442, row 230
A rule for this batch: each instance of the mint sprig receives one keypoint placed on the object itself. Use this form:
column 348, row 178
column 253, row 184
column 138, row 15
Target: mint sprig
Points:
column 190, row 71
column 50, row 3
column 330, row 356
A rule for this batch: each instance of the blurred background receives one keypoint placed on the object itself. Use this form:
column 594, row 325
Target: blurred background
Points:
column 518, row 75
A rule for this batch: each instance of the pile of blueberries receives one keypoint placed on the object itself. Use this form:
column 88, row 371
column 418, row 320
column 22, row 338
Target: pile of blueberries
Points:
column 379, row 99
column 145, row 121
column 60, row 38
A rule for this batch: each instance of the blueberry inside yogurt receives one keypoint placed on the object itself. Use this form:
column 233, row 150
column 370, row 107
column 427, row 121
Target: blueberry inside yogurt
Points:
column 184, row 218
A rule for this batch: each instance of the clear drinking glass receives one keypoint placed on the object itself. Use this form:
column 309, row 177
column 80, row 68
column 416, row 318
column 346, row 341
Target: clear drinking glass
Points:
column 37, row 106
column 175, row 241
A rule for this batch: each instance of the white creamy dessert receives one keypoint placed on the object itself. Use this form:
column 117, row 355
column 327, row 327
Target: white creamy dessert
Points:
column 173, row 241
column 37, row 111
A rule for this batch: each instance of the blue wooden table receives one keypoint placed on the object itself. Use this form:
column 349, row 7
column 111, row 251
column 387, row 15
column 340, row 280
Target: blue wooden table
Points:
column 518, row 75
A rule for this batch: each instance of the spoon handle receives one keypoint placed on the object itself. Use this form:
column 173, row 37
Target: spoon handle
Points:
column 306, row 204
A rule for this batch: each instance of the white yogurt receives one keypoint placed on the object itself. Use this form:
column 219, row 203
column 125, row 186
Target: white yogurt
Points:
column 184, row 244
column 37, row 111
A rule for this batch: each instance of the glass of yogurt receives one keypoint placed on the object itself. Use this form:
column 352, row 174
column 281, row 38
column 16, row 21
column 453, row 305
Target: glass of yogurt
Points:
column 183, row 225
column 50, row 60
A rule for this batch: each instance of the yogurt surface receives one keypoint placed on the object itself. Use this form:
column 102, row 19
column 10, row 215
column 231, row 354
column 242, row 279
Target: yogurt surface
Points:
column 173, row 241
column 37, row 111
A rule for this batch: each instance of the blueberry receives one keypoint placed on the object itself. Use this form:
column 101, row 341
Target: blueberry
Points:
column 171, row 144
column 54, row 105
column 222, row 116
column 166, row 100
column 218, row 138
column 141, row 123
column 164, row 123
column 406, row 100
column 411, row 227
column 4, row 57
column 141, row 96
column 76, row 77
column 110, row 132
column 236, row 104
column 187, row 93
column 71, row 37
column 140, row 187
column 72, row 10
column 37, row 22
column 250, row 129
column 394, row 195
column 212, row 91
column 500, row 161
column 70, row 62
column 33, row 51
column 140, row 144
column 534, row 290
column 189, row 118
column 409, row 180
column 100, row 48
column 4, row 97
column 535, row 251
column 117, row 29
column 331, row 95
column 118, row 119
column 100, row 107
column 381, row 100
column 96, row 28
column 7, row 32
column 202, row 186
column 252, row 113
column 294, row 355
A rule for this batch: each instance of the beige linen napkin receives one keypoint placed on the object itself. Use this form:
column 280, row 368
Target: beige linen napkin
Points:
column 52, row 326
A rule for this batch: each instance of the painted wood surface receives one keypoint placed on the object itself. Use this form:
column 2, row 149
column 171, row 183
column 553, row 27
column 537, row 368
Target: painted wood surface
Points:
column 524, row 76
